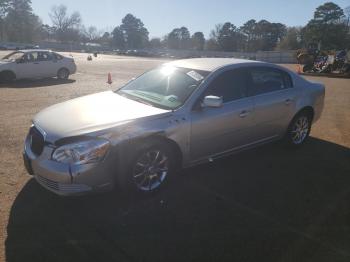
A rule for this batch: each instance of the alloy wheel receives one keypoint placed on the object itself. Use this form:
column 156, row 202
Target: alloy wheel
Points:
column 150, row 170
column 300, row 130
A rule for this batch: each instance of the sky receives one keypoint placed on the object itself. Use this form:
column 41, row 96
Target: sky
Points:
column 161, row 16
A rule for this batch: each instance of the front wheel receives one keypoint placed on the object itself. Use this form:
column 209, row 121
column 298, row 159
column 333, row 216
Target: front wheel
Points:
column 299, row 130
column 149, row 169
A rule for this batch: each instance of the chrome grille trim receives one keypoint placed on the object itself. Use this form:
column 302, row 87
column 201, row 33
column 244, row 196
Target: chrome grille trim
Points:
column 59, row 187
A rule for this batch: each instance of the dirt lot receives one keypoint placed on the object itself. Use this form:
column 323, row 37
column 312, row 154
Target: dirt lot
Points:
column 267, row 204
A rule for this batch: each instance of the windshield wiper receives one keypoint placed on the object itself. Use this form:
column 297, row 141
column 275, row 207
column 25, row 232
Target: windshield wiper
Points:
column 134, row 98
column 143, row 101
column 148, row 95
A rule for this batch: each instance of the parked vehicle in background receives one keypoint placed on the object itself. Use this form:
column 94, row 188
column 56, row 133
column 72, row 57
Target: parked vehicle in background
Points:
column 180, row 114
column 36, row 63
column 31, row 47
column 315, row 61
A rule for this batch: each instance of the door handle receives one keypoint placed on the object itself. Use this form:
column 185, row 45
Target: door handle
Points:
column 244, row 113
column 288, row 101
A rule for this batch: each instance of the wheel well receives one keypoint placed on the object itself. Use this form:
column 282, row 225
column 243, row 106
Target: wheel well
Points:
column 9, row 72
column 308, row 110
column 176, row 149
column 64, row 68
column 161, row 139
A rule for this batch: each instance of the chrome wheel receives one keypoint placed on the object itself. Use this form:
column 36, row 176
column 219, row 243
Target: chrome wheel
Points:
column 150, row 170
column 300, row 130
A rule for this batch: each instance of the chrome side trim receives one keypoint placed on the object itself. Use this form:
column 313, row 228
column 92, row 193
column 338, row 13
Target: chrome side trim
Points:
column 231, row 151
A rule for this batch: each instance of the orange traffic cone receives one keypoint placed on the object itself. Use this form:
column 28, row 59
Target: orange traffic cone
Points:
column 109, row 79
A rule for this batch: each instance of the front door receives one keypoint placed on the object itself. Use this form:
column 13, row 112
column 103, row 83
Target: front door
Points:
column 216, row 130
column 29, row 66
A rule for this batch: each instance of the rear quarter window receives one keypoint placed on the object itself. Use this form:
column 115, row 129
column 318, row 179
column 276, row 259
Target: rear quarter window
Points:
column 287, row 80
column 57, row 56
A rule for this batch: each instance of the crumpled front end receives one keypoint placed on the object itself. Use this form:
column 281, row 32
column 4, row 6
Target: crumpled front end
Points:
column 62, row 178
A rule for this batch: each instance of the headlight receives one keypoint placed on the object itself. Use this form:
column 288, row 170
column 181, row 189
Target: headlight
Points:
column 84, row 152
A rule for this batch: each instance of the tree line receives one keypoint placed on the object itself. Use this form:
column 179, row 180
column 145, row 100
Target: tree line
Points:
column 329, row 28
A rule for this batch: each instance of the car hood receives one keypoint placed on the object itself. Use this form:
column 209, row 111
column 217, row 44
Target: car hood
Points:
column 89, row 114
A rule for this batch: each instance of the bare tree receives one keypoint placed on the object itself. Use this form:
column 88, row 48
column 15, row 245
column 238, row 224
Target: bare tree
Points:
column 92, row 33
column 347, row 14
column 4, row 5
column 63, row 22
column 214, row 34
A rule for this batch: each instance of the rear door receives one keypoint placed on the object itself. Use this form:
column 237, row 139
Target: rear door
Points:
column 48, row 63
column 274, row 101
column 216, row 130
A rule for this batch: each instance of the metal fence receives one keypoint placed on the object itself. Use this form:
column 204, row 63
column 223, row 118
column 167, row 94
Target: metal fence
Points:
column 266, row 56
column 282, row 57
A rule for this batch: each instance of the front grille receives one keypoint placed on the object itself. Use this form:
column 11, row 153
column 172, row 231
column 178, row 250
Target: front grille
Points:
column 64, row 188
column 37, row 141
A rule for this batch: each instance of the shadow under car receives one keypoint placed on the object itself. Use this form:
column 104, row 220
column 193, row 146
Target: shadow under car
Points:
column 266, row 204
column 30, row 83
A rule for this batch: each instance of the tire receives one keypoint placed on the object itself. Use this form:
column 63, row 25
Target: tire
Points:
column 7, row 77
column 63, row 74
column 150, row 168
column 299, row 130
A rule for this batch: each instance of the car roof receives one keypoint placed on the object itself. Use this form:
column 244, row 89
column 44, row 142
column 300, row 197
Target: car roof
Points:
column 209, row 64
column 33, row 50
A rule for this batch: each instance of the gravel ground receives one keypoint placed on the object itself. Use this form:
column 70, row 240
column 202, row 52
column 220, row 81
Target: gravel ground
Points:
column 266, row 204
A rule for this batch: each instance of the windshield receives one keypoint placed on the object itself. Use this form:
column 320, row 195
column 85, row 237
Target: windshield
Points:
column 13, row 56
column 166, row 87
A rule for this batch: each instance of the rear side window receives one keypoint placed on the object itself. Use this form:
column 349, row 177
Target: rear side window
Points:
column 266, row 80
column 287, row 80
column 44, row 56
column 230, row 85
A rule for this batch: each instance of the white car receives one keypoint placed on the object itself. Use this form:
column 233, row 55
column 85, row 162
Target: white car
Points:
column 29, row 64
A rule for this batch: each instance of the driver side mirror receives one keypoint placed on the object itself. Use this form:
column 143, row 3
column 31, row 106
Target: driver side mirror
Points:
column 212, row 101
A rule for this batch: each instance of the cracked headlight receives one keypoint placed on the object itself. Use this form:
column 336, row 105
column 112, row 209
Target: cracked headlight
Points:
column 90, row 151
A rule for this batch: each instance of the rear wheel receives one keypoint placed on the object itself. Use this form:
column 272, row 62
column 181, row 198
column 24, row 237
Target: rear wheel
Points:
column 7, row 77
column 299, row 130
column 63, row 73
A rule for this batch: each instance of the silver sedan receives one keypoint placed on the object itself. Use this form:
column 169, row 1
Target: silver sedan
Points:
column 180, row 114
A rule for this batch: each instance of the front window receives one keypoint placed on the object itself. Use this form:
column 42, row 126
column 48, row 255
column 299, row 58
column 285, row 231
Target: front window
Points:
column 230, row 85
column 165, row 87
